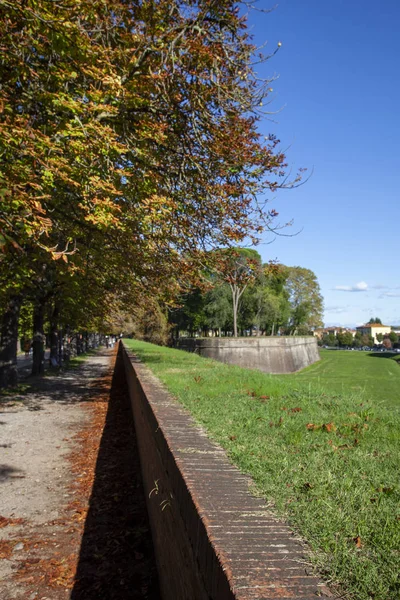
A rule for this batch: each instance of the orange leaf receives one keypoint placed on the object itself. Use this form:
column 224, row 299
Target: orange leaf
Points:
column 329, row 427
column 313, row 427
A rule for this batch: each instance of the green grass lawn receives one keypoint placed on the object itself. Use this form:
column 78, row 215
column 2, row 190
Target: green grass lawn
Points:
column 322, row 447
column 376, row 375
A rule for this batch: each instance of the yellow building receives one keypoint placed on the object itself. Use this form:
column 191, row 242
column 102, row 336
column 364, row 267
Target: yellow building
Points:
column 373, row 329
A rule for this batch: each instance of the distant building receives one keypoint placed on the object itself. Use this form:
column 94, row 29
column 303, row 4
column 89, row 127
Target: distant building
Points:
column 320, row 332
column 373, row 329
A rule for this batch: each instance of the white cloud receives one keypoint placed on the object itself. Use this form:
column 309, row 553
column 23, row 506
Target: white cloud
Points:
column 358, row 287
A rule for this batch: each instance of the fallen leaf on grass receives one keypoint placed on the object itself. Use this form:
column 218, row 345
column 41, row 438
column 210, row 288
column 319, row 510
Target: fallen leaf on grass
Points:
column 329, row 427
column 385, row 490
column 357, row 541
column 277, row 424
column 325, row 427
column 313, row 427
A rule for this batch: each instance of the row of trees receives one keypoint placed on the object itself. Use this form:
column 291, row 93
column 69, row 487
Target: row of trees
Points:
column 129, row 150
column 346, row 340
column 247, row 296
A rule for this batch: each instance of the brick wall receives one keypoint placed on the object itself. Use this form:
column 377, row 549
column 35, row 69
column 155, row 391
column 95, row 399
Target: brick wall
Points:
column 213, row 540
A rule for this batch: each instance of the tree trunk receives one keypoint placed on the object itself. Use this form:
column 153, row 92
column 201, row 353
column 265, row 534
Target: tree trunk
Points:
column 54, row 337
column 38, row 338
column 60, row 347
column 80, row 344
column 235, row 302
column 8, row 342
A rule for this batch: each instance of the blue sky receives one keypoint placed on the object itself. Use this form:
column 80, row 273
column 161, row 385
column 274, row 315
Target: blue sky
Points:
column 339, row 88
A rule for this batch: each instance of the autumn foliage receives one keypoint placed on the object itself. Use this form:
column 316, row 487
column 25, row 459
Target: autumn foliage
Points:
column 137, row 118
column 129, row 145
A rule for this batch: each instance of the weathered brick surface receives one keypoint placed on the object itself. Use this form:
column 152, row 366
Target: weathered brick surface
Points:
column 213, row 539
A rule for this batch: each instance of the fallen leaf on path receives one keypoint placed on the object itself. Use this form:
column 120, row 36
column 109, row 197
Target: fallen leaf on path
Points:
column 6, row 548
column 4, row 521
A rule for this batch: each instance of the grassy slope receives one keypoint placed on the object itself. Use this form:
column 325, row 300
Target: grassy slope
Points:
column 327, row 460
column 376, row 375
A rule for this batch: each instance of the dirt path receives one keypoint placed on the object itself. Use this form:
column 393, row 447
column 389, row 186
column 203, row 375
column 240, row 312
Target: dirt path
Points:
column 72, row 512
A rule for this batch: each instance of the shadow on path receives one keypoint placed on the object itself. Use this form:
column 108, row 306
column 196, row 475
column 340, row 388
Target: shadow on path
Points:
column 8, row 471
column 116, row 560
column 77, row 383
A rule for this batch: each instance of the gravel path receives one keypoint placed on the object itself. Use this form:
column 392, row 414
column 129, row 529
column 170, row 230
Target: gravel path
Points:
column 44, row 498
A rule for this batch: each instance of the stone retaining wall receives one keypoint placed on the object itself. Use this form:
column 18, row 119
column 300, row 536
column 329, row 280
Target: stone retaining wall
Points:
column 269, row 354
column 213, row 540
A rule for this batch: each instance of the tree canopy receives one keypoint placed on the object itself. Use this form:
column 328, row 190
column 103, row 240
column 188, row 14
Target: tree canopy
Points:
column 130, row 148
column 265, row 298
column 136, row 119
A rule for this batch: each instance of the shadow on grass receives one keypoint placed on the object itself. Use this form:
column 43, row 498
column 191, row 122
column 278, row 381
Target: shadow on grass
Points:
column 116, row 560
column 392, row 355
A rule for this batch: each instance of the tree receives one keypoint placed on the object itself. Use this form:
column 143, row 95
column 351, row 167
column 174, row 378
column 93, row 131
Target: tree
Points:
column 393, row 337
column 239, row 268
column 218, row 308
column 376, row 321
column 345, row 338
column 190, row 314
column 367, row 340
column 329, row 340
column 257, row 294
column 128, row 137
column 272, row 308
column 305, row 298
column 151, row 324
column 126, row 114
column 379, row 337
column 387, row 343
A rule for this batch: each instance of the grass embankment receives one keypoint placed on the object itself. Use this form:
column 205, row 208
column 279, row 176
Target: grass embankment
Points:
column 376, row 375
column 324, row 454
